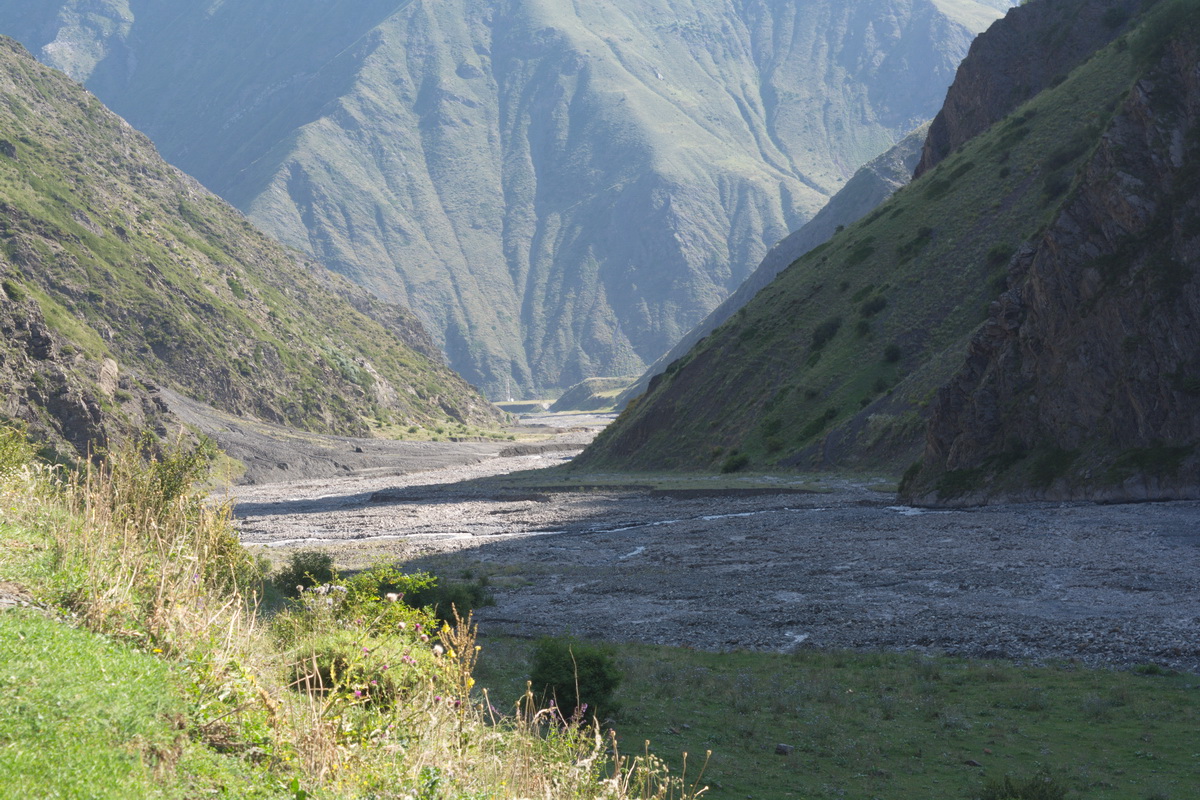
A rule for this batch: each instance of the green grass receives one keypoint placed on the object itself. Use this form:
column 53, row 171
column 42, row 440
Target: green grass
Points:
column 883, row 725
column 82, row 716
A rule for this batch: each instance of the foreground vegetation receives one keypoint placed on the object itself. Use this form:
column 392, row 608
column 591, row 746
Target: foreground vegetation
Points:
column 150, row 674
column 147, row 672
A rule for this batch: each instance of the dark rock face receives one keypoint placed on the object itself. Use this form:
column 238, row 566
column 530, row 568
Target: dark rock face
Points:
column 1085, row 380
column 1037, row 44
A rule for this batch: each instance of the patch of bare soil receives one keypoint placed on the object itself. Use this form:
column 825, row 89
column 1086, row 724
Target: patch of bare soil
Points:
column 1105, row 584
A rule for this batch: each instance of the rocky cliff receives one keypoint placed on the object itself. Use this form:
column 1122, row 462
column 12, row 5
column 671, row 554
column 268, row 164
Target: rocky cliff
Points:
column 1038, row 45
column 558, row 190
column 1085, row 379
column 121, row 274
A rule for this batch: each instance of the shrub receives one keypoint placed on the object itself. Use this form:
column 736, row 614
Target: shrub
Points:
column 580, row 677
column 15, row 450
column 444, row 598
column 873, row 306
column 13, row 290
column 1041, row 787
column 891, row 353
column 1051, row 465
column 999, row 254
column 825, row 331
column 307, row 568
column 735, row 462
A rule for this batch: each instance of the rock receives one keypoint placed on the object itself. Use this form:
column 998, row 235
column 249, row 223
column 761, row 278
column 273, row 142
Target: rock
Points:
column 784, row 749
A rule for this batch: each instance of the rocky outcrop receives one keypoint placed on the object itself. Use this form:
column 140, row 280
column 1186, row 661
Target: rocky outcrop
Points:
column 1085, row 380
column 1038, row 44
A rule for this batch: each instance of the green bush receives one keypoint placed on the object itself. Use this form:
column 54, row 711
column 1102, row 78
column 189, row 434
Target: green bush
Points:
column 825, row 331
column 735, row 462
column 15, row 450
column 445, row 598
column 580, row 677
column 307, row 568
column 13, row 290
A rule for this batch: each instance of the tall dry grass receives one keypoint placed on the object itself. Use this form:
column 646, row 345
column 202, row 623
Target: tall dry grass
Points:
column 137, row 553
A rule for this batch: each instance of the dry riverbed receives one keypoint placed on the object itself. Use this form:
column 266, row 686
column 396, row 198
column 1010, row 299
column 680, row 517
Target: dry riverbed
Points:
column 766, row 564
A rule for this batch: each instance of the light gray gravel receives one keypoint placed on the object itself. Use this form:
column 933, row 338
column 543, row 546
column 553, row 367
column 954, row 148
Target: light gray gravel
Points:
column 1108, row 585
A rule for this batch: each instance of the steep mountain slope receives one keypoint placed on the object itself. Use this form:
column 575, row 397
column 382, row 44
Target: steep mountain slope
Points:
column 1038, row 44
column 558, row 190
column 871, row 185
column 119, row 273
column 836, row 363
column 1085, row 379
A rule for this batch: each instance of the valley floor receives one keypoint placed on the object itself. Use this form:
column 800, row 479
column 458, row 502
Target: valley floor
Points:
column 771, row 564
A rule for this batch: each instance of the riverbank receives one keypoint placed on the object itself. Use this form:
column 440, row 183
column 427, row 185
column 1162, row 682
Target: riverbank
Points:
column 816, row 563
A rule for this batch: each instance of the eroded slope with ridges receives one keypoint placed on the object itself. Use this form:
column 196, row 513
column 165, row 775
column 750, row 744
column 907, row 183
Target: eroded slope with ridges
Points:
column 119, row 272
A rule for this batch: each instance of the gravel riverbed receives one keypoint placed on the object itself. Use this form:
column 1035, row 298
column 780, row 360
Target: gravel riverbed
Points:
column 777, row 568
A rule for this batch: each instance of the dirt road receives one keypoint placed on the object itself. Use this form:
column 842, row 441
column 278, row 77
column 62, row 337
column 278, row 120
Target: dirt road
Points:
column 776, row 568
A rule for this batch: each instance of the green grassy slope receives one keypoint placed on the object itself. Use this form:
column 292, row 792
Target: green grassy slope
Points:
column 124, row 258
column 835, row 362
column 559, row 190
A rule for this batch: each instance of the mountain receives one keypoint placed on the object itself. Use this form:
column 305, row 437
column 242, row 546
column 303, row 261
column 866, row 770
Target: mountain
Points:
column 558, row 190
column 1084, row 381
column 1020, row 319
column 121, row 274
column 871, row 185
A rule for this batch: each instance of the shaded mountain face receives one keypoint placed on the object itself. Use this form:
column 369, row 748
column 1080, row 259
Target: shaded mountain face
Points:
column 873, row 183
column 1021, row 318
column 121, row 274
column 558, row 190
column 1085, row 379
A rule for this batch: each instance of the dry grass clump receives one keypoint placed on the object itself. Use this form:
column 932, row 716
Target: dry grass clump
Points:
column 347, row 693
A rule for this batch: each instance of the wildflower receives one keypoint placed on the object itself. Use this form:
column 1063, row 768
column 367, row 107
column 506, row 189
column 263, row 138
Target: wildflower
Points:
column 358, row 693
column 438, row 650
column 402, row 625
column 366, row 651
column 424, row 638
column 392, row 597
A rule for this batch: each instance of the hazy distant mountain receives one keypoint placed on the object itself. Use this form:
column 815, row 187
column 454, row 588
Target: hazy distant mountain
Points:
column 119, row 275
column 871, row 185
column 559, row 190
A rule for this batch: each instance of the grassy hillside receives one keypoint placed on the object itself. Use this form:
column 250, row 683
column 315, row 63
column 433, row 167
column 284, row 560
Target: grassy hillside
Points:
column 122, row 272
column 558, row 190
column 836, row 362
